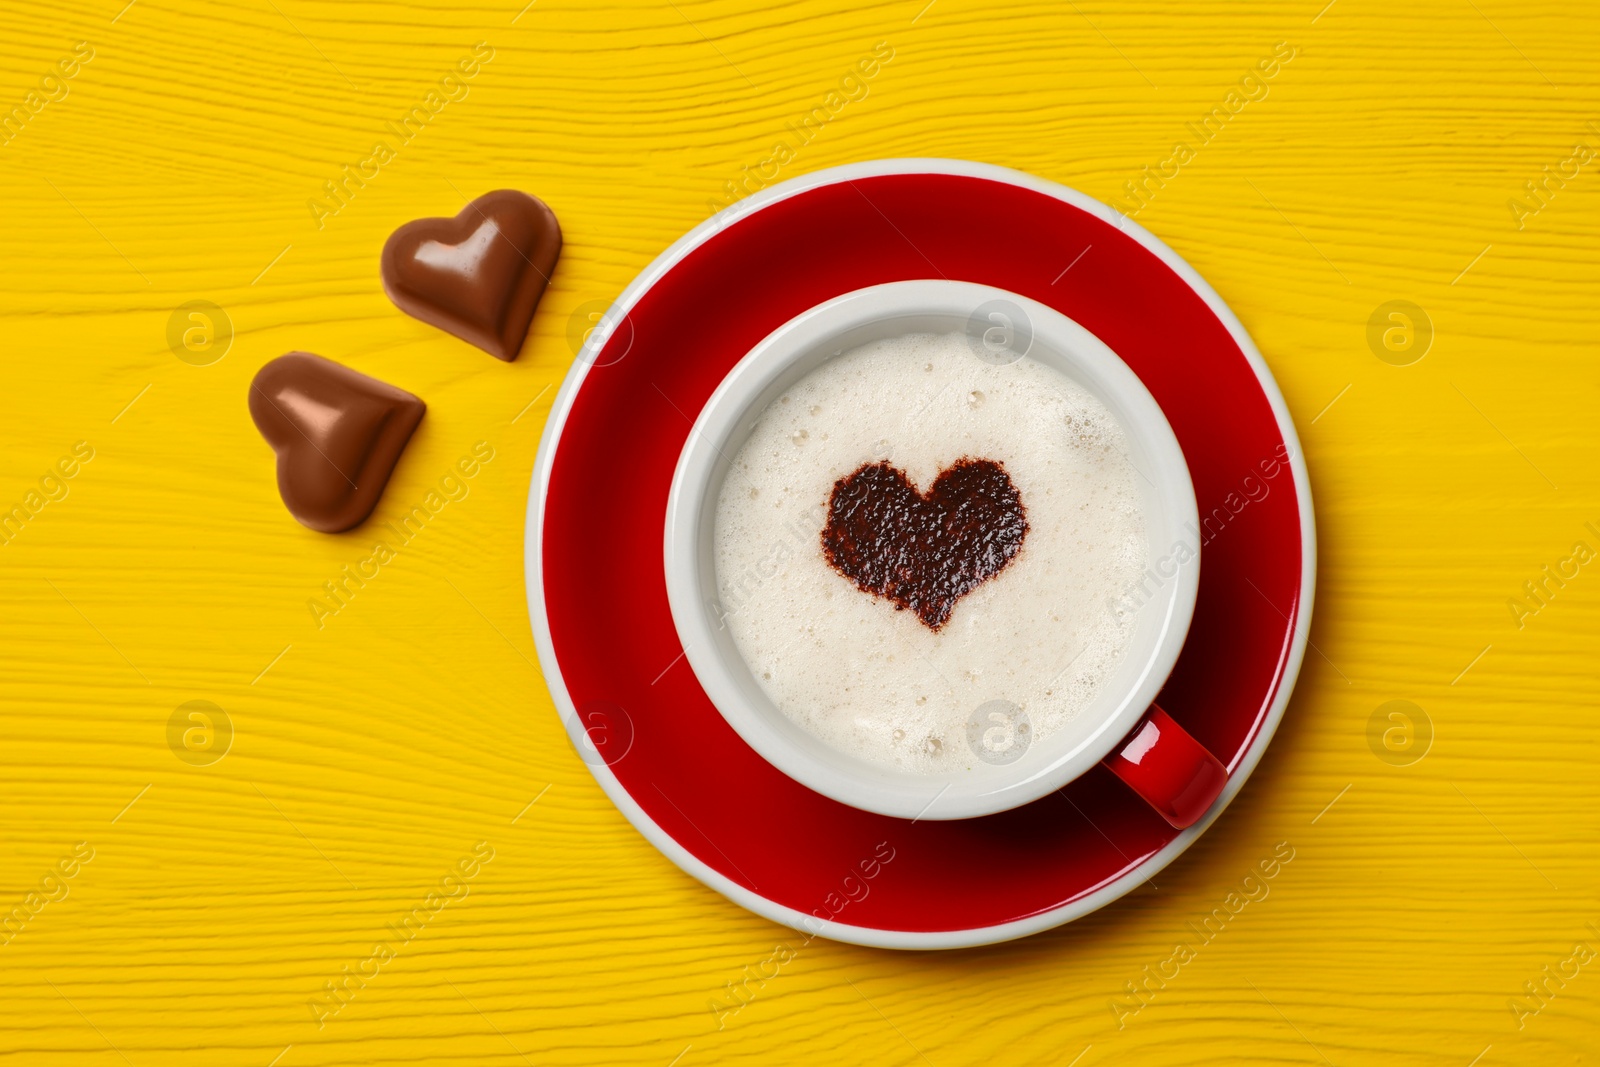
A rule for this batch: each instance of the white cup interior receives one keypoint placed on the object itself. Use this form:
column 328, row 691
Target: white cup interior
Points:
column 793, row 351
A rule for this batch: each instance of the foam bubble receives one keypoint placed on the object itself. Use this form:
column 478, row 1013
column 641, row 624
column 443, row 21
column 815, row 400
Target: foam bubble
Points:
column 874, row 681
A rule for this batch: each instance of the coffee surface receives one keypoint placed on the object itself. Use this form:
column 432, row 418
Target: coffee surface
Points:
column 911, row 534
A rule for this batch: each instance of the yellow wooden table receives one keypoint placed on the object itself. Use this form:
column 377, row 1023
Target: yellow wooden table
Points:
column 170, row 908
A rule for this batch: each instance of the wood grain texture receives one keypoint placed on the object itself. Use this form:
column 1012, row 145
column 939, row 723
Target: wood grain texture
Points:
column 373, row 753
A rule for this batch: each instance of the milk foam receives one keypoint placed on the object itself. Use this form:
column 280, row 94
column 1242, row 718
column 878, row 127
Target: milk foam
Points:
column 874, row 681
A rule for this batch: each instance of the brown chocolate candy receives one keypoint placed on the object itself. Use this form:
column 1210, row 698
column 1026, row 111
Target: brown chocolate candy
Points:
column 480, row 274
column 338, row 435
column 924, row 551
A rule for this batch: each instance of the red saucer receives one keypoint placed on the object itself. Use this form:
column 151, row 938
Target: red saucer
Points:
column 594, row 550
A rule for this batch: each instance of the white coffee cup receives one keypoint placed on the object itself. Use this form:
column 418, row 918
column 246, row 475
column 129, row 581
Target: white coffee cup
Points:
column 1160, row 761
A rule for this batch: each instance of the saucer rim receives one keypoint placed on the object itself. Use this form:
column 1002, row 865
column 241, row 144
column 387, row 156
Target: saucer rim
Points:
column 1138, row 871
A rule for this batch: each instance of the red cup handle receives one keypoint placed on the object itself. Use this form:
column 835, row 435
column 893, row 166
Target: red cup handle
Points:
column 1171, row 770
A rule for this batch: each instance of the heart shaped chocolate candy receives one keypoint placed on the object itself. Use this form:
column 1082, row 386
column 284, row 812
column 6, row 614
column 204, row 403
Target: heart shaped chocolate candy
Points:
column 478, row 275
column 338, row 435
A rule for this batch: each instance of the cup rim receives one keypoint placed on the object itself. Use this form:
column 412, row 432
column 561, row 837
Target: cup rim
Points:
column 727, row 679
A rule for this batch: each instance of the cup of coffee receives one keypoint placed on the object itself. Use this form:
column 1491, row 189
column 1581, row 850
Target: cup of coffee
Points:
column 929, row 551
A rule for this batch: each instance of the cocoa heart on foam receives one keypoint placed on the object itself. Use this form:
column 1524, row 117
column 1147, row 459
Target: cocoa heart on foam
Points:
column 924, row 551
column 337, row 433
column 478, row 275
